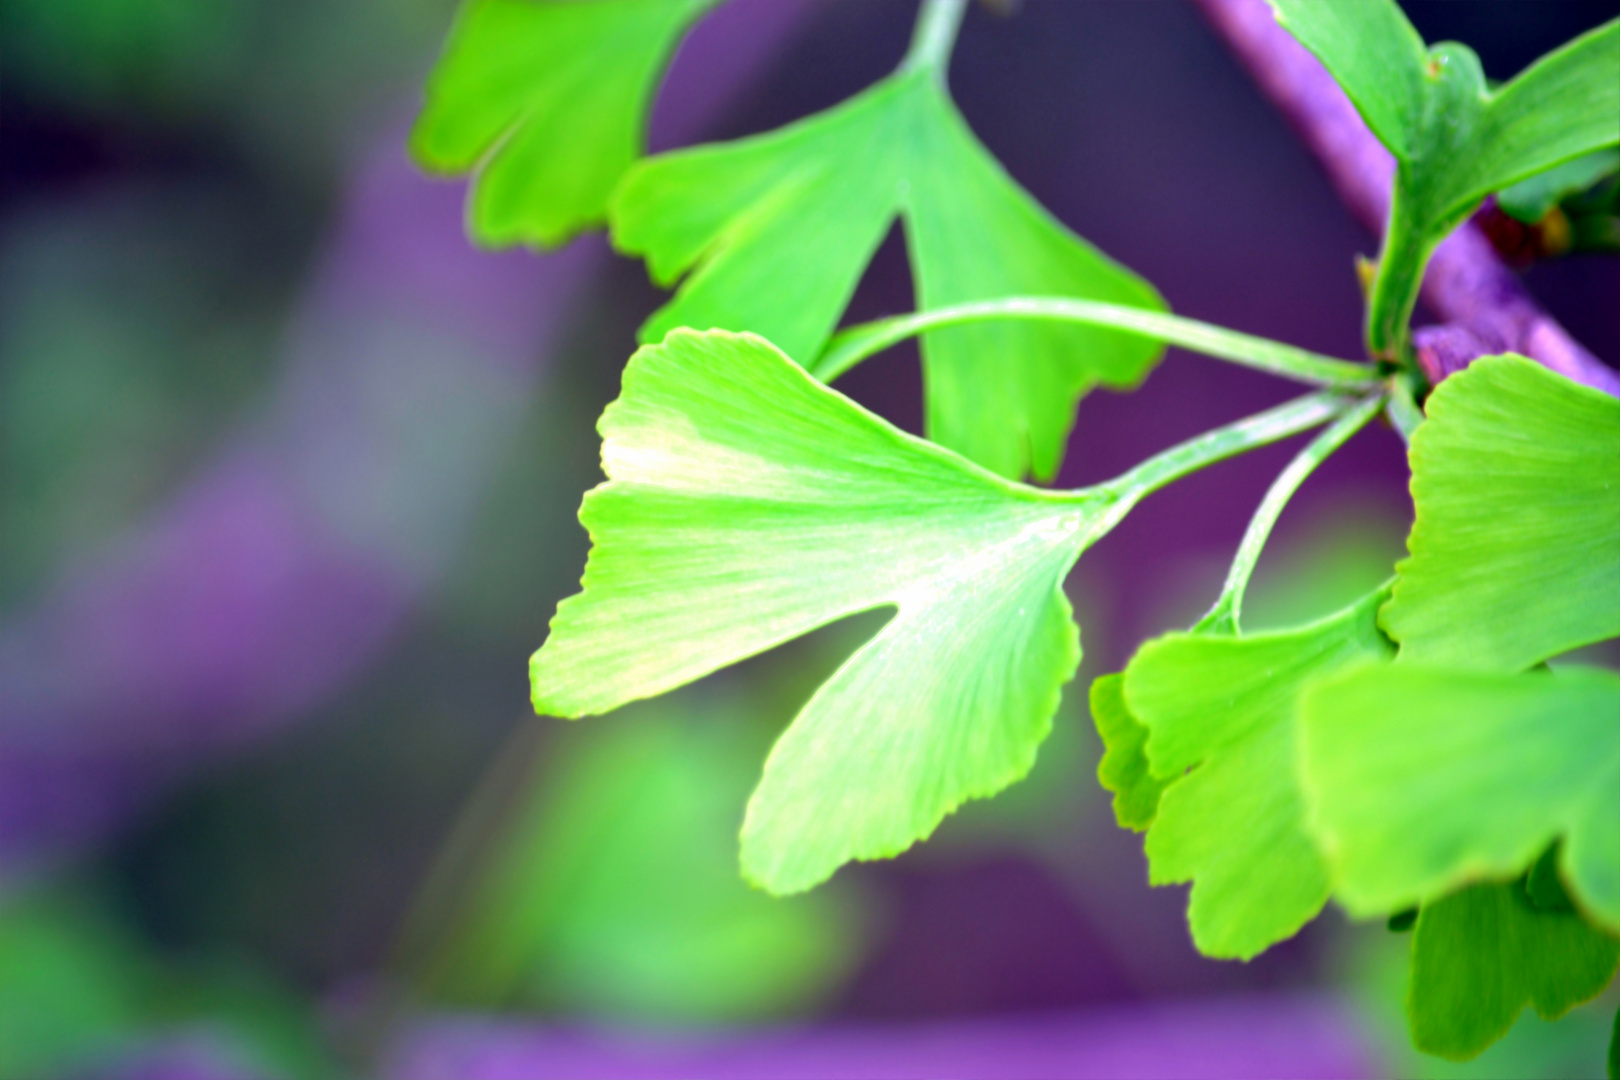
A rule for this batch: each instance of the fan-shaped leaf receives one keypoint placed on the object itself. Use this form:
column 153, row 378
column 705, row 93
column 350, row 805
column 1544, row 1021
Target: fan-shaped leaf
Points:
column 1515, row 551
column 1224, row 708
column 1481, row 955
column 747, row 505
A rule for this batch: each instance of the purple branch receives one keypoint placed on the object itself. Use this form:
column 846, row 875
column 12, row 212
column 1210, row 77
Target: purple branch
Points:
column 1486, row 307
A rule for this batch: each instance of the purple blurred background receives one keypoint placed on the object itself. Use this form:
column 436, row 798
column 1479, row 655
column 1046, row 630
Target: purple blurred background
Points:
column 288, row 472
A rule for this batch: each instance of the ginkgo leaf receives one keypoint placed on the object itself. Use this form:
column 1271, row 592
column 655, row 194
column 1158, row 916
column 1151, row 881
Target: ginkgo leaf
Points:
column 1481, row 955
column 1457, row 140
column 546, row 102
column 748, row 504
column 1223, row 707
column 1422, row 780
column 773, row 233
column 1123, row 769
column 1515, row 550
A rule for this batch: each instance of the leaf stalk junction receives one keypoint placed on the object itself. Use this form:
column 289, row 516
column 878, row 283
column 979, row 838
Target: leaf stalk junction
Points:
column 1352, row 394
column 934, row 37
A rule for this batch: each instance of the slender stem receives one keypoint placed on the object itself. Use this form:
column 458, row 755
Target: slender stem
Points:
column 1404, row 413
column 934, row 37
column 852, row 346
column 1401, row 262
column 1223, row 617
column 1250, row 433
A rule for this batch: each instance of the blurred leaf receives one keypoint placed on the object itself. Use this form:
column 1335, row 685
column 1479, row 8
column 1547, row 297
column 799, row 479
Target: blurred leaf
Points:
column 1532, row 1049
column 1564, row 105
column 546, row 103
column 1530, row 200
column 115, row 53
column 1422, row 780
column 78, row 986
column 774, row 232
column 1515, row 552
column 613, row 888
column 747, row 505
column 1221, row 710
column 279, row 86
column 70, row 985
column 1481, row 955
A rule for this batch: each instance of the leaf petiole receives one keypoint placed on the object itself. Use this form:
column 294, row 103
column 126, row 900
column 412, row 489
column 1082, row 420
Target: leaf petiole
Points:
column 1399, row 278
column 849, row 347
column 1223, row 617
column 934, row 37
column 1404, row 412
column 1218, row 444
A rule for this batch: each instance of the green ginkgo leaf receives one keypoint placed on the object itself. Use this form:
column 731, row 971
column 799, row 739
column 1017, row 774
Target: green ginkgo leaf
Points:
column 748, row 504
column 1455, row 140
column 773, row 233
column 1515, row 550
column 1422, row 780
column 1481, row 955
column 1221, row 710
column 547, row 103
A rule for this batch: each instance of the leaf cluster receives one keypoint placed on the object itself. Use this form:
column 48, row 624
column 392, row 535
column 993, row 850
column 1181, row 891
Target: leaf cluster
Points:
column 1408, row 756
column 1414, row 745
column 546, row 104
